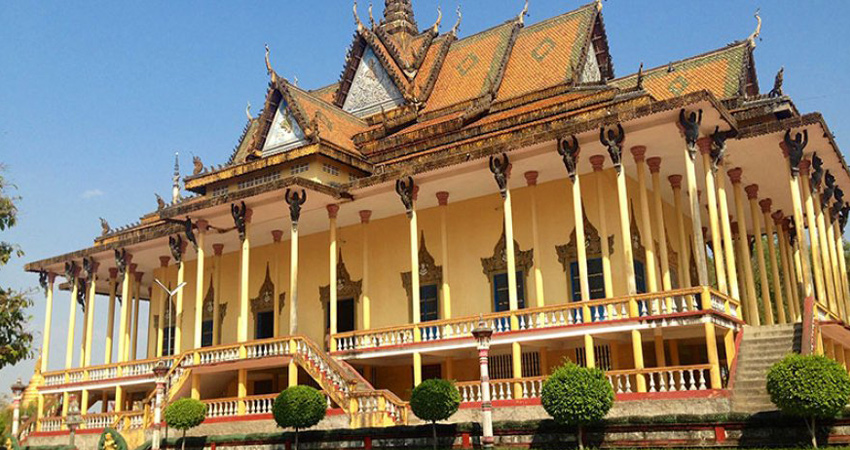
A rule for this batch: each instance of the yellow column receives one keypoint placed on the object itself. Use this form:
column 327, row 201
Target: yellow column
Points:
column 820, row 285
column 684, row 251
column 767, row 308
column 581, row 250
column 842, row 264
column 200, row 290
column 834, row 252
column 639, row 153
column 162, row 298
column 516, row 359
column 825, row 255
column 674, row 352
column 788, row 280
column 244, row 279
column 84, row 402
column 48, row 318
column 119, row 394
column 659, row 348
column 696, row 216
column 729, row 344
column 774, row 263
column 295, row 215
column 365, row 216
column 726, row 229
column 417, row 369
column 277, row 235
column 655, row 169
column 39, row 411
column 751, row 311
column 804, row 272
column 242, row 389
column 637, row 351
column 332, row 288
column 445, row 290
column 531, row 181
column 510, row 252
column 218, row 249
column 72, row 315
column 178, row 303
column 134, row 335
column 713, row 220
column 90, row 308
column 196, row 386
column 110, row 319
column 589, row 351
column 713, row 359
column 598, row 162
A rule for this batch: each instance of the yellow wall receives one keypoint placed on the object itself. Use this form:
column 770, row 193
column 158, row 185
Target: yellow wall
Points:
column 474, row 227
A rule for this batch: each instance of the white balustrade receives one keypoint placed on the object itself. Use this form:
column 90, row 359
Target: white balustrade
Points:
column 214, row 356
column 99, row 421
column 51, row 424
column 103, row 373
column 259, row 405
column 264, row 349
column 222, row 408
column 75, row 377
column 54, row 380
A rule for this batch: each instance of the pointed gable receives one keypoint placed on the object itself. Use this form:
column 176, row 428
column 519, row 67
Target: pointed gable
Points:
column 549, row 53
column 372, row 88
column 725, row 73
column 284, row 132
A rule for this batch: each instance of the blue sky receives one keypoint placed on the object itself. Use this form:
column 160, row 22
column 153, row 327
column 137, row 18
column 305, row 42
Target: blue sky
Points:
column 97, row 96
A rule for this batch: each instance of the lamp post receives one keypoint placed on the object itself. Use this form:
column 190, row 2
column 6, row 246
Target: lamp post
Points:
column 159, row 371
column 17, row 393
column 73, row 419
column 483, row 335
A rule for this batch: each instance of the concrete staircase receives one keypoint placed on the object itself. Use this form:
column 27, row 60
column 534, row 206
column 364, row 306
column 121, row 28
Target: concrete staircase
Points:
column 761, row 347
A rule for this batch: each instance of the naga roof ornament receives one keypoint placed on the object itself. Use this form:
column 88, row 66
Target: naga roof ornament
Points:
column 752, row 38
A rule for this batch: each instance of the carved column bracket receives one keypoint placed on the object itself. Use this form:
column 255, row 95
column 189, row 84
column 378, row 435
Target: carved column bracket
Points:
column 613, row 140
column 500, row 166
column 569, row 150
column 689, row 124
column 295, row 200
column 405, row 189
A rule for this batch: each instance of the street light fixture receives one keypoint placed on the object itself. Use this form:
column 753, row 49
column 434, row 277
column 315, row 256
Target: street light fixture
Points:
column 484, row 334
column 73, row 420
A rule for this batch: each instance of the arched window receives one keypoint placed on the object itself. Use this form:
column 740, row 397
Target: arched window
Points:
column 262, row 307
column 430, row 283
column 347, row 296
column 496, row 269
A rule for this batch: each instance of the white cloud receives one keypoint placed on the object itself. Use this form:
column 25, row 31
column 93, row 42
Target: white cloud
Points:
column 92, row 193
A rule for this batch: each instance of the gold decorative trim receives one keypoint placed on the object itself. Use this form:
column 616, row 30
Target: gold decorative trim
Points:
column 429, row 272
column 264, row 301
column 567, row 253
column 346, row 288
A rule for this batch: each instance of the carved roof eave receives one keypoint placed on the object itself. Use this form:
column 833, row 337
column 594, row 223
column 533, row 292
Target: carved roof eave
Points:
column 462, row 149
column 199, row 182
column 780, row 126
column 419, row 55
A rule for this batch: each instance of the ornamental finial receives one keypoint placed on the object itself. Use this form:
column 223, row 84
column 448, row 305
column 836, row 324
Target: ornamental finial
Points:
column 269, row 69
column 456, row 27
column 371, row 17
column 357, row 21
column 752, row 39
column 523, row 13
column 248, row 112
column 436, row 26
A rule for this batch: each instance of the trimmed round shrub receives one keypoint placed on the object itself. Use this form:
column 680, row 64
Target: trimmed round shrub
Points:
column 810, row 387
column 577, row 396
column 435, row 400
column 299, row 407
column 185, row 414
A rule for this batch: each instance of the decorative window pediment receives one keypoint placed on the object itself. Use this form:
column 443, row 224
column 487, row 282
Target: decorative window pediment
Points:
column 429, row 272
column 498, row 263
column 209, row 304
column 568, row 252
column 638, row 250
column 372, row 88
column 264, row 301
column 346, row 288
column 170, row 310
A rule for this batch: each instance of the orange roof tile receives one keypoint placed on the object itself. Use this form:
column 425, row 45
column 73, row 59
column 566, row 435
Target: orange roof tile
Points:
column 335, row 125
column 472, row 64
column 327, row 93
column 719, row 72
column 545, row 53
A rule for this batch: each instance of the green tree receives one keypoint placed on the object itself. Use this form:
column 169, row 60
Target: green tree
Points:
column 299, row 407
column 15, row 339
column 435, row 400
column 185, row 414
column 810, row 387
column 577, row 396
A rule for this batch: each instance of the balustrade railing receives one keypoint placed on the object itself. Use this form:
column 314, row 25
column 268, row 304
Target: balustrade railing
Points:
column 52, row 423
column 501, row 389
column 98, row 421
column 560, row 315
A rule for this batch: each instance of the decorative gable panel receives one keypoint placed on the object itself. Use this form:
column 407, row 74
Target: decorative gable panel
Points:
column 591, row 72
column 372, row 88
column 284, row 132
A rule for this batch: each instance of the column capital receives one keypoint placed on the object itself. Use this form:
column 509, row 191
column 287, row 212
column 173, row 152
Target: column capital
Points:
column 51, row 276
column 443, row 198
column 734, row 228
column 202, row 225
column 94, row 266
column 277, row 235
column 113, row 273
column 133, row 267
column 805, row 165
column 598, row 162
column 218, row 249
column 139, row 276
column 415, row 192
column 654, row 164
column 704, row 144
column 333, row 210
column 531, row 177
column 778, row 216
column 675, row 181
column 249, row 214
column 766, row 205
column 164, row 260
column 735, row 175
column 365, row 215
column 639, row 153
column 752, row 191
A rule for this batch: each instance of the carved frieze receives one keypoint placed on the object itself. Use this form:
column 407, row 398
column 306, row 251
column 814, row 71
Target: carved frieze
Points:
column 498, row 263
column 264, row 301
column 429, row 271
column 346, row 287
column 568, row 252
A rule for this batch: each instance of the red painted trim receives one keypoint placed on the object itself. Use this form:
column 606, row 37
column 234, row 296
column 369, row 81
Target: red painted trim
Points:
column 85, row 382
column 699, row 312
column 466, row 440
column 719, row 434
column 367, row 443
column 733, row 366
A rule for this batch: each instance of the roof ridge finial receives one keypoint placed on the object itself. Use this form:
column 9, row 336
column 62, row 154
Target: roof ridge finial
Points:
column 360, row 26
column 371, row 17
column 248, row 112
column 752, row 39
column 522, row 14
column 456, row 27
column 436, row 26
column 598, row 5
column 175, row 182
column 269, row 70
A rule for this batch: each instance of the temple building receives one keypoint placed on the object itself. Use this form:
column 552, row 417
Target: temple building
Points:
column 359, row 232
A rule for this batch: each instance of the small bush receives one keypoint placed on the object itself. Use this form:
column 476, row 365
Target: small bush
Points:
column 185, row 414
column 577, row 396
column 299, row 407
column 810, row 387
column 435, row 400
